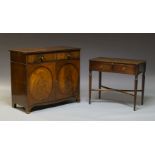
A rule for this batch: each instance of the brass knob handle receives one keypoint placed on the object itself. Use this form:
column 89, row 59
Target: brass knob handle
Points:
column 68, row 56
column 124, row 68
column 101, row 67
column 41, row 58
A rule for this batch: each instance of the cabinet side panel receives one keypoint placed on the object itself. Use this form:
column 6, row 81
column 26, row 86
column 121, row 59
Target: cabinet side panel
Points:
column 18, row 83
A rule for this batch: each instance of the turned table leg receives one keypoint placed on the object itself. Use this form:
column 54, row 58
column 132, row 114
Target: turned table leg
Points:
column 100, row 82
column 135, row 91
column 90, row 85
column 143, row 87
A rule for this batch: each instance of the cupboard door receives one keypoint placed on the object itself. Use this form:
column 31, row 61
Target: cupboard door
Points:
column 40, row 78
column 67, row 72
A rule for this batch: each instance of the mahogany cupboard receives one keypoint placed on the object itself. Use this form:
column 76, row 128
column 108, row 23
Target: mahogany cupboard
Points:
column 42, row 76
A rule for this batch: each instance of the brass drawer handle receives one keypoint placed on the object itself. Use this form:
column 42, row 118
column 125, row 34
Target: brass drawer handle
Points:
column 68, row 56
column 123, row 68
column 41, row 58
column 102, row 67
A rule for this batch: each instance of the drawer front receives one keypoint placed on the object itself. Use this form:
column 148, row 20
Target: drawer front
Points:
column 100, row 66
column 37, row 58
column 112, row 67
column 68, row 55
column 125, row 69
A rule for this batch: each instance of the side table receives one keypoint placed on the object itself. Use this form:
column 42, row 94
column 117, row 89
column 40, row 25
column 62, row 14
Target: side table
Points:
column 117, row 65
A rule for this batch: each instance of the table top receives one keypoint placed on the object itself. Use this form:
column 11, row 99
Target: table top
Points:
column 44, row 50
column 118, row 60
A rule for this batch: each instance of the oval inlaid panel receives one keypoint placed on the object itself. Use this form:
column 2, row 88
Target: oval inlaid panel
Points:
column 68, row 79
column 40, row 84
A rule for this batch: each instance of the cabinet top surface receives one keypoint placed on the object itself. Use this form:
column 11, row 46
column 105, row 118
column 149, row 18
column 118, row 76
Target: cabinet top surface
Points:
column 44, row 50
column 118, row 60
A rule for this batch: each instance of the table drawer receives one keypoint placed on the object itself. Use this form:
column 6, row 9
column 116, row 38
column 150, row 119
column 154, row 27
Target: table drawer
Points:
column 100, row 66
column 68, row 55
column 112, row 67
column 37, row 58
column 125, row 69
